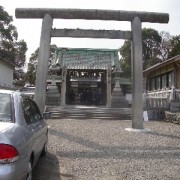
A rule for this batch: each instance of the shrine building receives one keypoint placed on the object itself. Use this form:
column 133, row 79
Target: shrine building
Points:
column 83, row 76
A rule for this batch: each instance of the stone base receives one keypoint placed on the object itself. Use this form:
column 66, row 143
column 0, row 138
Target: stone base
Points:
column 173, row 117
column 155, row 114
column 138, row 130
column 174, row 106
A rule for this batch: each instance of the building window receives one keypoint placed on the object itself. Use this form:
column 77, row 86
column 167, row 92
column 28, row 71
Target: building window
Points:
column 152, row 83
column 171, row 79
column 158, row 82
column 162, row 81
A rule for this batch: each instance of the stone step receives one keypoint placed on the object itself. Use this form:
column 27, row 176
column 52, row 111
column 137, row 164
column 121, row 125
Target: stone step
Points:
column 90, row 113
column 52, row 91
column 53, row 101
column 83, row 117
column 53, row 95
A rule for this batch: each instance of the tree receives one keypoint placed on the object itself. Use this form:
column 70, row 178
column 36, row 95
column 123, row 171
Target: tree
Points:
column 151, row 47
column 151, row 41
column 19, row 73
column 20, row 53
column 8, row 35
column 125, row 61
column 10, row 48
column 30, row 75
column 32, row 65
column 175, row 46
column 165, row 45
column 19, row 77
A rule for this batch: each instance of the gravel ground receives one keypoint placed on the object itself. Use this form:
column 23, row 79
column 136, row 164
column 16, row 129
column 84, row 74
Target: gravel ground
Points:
column 97, row 149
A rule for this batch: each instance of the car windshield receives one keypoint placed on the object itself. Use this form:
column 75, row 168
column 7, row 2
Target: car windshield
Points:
column 5, row 108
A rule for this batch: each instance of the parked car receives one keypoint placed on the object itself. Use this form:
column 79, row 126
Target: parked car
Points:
column 23, row 135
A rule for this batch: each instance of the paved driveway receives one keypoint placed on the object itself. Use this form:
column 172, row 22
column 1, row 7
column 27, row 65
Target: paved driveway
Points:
column 98, row 148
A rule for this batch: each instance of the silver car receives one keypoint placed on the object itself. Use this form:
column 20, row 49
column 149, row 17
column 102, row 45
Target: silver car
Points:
column 23, row 135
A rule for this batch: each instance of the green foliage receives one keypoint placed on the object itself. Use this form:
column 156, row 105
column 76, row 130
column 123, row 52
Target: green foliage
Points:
column 33, row 62
column 156, row 48
column 30, row 75
column 175, row 46
column 165, row 45
column 151, row 41
column 11, row 49
column 151, row 47
column 125, row 61
column 8, row 35
column 19, row 78
column 20, row 53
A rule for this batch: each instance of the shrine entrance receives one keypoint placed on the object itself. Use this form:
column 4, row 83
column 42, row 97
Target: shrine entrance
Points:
column 86, row 87
column 83, row 75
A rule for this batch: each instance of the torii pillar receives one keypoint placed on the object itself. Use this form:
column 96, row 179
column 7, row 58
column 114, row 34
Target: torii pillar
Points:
column 137, row 74
column 42, row 67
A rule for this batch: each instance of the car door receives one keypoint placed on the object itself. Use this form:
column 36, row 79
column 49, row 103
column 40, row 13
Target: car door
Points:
column 30, row 121
column 40, row 126
column 35, row 125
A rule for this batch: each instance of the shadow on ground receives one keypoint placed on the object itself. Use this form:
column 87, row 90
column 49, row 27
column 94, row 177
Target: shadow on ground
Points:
column 47, row 168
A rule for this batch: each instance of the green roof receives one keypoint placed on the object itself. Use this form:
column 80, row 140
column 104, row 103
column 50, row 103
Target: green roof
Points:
column 86, row 58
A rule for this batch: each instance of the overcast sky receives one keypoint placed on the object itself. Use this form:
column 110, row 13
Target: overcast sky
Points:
column 29, row 29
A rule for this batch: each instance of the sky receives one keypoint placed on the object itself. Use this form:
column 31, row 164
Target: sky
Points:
column 30, row 29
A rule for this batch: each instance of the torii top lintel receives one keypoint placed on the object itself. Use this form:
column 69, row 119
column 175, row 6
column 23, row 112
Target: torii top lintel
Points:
column 92, row 14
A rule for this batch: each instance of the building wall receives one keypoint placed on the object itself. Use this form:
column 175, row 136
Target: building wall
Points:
column 6, row 74
column 162, row 70
column 158, row 77
column 178, row 77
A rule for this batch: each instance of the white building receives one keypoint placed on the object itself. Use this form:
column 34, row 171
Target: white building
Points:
column 6, row 73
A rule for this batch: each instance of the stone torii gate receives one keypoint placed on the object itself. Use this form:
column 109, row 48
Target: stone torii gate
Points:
column 135, row 35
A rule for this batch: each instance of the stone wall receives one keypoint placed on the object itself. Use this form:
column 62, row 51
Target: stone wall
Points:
column 164, row 113
column 155, row 114
column 175, row 106
column 173, row 117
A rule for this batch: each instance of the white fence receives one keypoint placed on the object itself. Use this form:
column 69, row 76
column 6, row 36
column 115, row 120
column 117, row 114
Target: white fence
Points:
column 157, row 102
column 161, row 99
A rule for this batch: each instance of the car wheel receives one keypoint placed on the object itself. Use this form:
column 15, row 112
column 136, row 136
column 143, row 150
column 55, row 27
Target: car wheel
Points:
column 29, row 173
column 44, row 151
